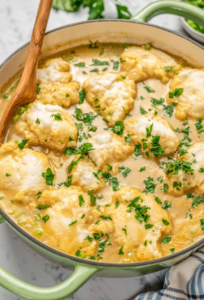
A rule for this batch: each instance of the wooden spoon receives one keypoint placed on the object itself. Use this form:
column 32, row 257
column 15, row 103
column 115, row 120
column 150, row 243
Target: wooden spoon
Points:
column 26, row 90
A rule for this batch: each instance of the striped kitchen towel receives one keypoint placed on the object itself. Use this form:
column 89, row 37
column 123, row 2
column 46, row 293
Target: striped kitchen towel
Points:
column 183, row 281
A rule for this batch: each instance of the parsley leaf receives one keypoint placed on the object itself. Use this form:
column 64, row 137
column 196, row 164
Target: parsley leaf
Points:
column 176, row 93
column 169, row 68
column 49, row 176
column 148, row 89
column 38, row 88
column 81, row 65
column 166, row 240
column 123, row 12
column 45, row 218
column 81, row 200
column 22, row 144
column 118, row 127
column 169, row 109
column 150, row 185
column 40, row 207
column 97, row 62
column 121, row 251
column 82, row 95
column 142, row 110
column 57, row 117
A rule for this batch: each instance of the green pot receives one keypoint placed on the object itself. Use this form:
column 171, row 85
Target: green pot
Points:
column 123, row 31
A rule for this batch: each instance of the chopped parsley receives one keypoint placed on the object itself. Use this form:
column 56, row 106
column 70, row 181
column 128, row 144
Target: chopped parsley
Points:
column 22, row 144
column 199, row 125
column 166, row 240
column 156, row 148
column 81, row 200
column 38, row 88
column 165, row 222
column 92, row 198
column 57, row 117
column 106, row 217
column 117, row 203
column 97, row 62
column 49, row 176
column 7, row 174
column 166, row 187
column 142, row 169
column 125, row 231
column 78, row 253
column 45, row 218
column 197, row 201
column 125, row 171
column 115, row 65
column 169, row 68
column 148, row 89
column 176, row 93
column 149, row 185
column 81, row 65
column 137, row 150
column 37, row 121
column 118, row 127
column 166, row 204
column 82, row 95
column 148, row 226
column 40, row 207
column 86, row 118
column 202, row 224
column 169, row 109
column 72, row 223
column 121, row 251
column 142, row 110
column 157, row 102
column 174, row 167
column 128, row 139
column 89, row 238
column 158, row 200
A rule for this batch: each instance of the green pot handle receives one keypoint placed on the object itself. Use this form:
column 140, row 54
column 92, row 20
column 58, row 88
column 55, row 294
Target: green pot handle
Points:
column 80, row 275
column 173, row 7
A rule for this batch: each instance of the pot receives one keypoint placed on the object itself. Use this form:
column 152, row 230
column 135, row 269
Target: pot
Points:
column 134, row 31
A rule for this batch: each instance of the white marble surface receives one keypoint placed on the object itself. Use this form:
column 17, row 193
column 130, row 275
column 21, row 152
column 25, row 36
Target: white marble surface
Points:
column 16, row 21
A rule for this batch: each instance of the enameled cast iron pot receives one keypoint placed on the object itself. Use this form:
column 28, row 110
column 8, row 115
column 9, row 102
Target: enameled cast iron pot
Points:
column 134, row 31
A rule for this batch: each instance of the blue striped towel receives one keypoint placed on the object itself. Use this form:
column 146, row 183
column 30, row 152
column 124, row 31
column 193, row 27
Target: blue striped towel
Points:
column 184, row 281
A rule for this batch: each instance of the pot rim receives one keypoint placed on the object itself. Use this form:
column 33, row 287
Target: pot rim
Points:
column 71, row 257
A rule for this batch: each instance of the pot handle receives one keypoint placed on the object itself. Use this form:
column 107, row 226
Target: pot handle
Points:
column 80, row 275
column 173, row 7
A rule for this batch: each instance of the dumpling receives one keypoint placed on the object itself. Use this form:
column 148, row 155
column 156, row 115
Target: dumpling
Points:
column 186, row 231
column 138, row 225
column 70, row 218
column 187, row 90
column 190, row 168
column 54, row 70
column 21, row 171
column 140, row 64
column 48, row 125
column 54, row 84
column 108, row 149
column 84, row 174
column 110, row 94
column 146, row 128
column 62, row 94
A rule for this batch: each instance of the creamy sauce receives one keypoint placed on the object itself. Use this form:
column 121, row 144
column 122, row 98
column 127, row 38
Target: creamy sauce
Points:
column 185, row 219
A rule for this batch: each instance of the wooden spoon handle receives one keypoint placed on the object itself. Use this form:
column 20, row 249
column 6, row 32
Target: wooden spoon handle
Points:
column 26, row 90
column 29, row 73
